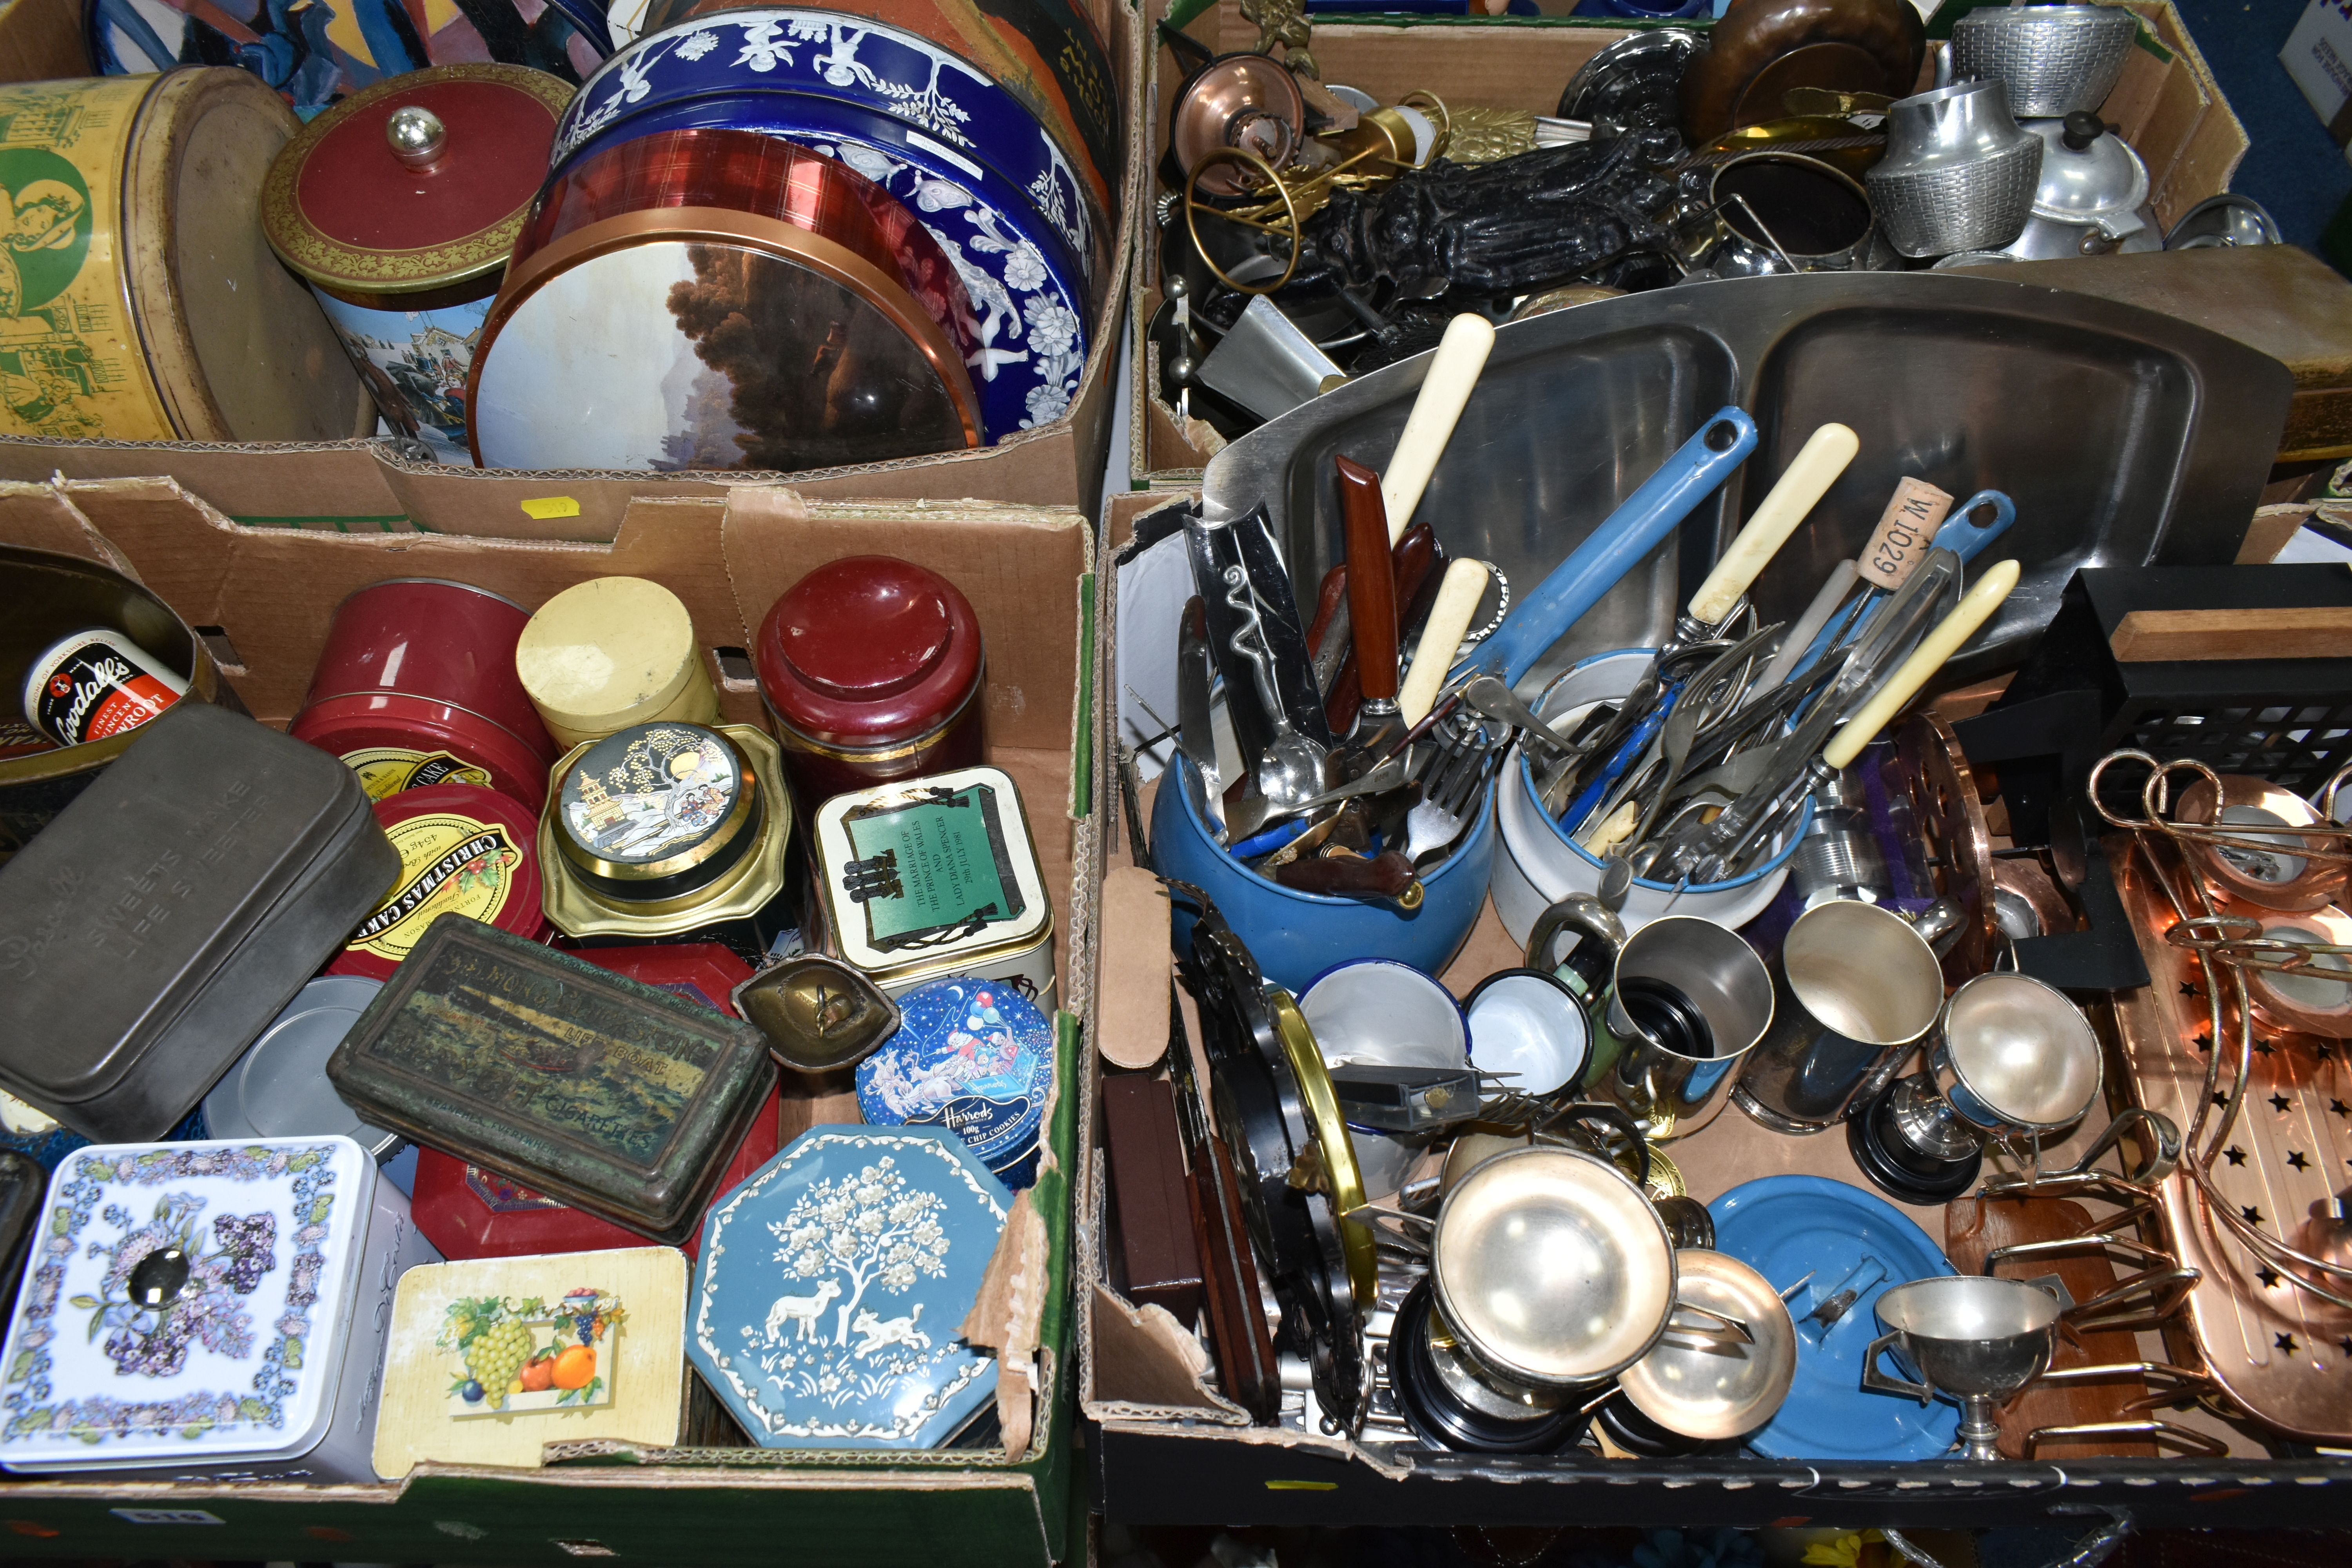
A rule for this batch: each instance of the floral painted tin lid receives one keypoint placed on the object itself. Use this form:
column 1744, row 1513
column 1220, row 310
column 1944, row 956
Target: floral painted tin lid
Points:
column 973, row 1055
column 832, row 1285
column 185, row 1303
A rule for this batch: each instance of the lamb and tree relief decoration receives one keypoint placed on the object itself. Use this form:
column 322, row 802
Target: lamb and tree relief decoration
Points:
column 855, row 1241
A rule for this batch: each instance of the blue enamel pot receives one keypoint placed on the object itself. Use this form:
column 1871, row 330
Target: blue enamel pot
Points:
column 1297, row 936
column 1027, row 288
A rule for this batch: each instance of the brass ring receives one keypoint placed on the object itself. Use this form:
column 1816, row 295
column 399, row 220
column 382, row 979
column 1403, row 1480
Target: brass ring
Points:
column 1437, row 111
column 1193, row 205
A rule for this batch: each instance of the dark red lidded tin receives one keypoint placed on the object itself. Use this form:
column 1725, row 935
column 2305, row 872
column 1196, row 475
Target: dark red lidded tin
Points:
column 872, row 668
column 416, row 686
column 463, row 850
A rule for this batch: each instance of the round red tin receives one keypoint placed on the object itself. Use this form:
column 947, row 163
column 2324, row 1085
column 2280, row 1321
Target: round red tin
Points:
column 463, row 850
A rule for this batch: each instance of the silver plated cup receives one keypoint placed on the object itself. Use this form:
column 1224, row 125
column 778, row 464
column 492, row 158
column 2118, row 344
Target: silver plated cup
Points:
column 1979, row 1339
column 1687, row 1000
column 1854, row 986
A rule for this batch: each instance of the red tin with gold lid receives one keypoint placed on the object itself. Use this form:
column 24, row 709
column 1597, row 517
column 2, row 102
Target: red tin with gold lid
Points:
column 468, row 1211
column 463, row 850
column 872, row 668
column 418, row 685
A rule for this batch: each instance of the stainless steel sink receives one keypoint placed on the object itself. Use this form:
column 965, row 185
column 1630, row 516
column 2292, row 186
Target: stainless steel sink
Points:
column 2125, row 437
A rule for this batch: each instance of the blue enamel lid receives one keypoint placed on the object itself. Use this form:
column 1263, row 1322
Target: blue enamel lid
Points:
column 832, row 1284
column 970, row 1054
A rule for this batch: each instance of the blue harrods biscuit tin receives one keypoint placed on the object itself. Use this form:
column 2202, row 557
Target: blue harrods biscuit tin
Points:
column 973, row 1055
column 1027, row 289
column 832, row 1284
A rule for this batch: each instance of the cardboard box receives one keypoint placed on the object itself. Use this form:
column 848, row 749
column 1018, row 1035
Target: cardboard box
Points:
column 366, row 485
column 1170, row 1449
column 2318, row 55
column 2166, row 105
column 271, row 592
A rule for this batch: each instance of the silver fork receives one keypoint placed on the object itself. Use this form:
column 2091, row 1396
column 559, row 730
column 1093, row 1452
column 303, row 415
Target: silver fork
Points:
column 1449, row 796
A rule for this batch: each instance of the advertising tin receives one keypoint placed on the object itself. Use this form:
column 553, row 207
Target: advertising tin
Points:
column 418, row 685
column 936, row 876
column 608, row 1095
column 463, row 851
column 400, row 206
column 206, row 1309
column 141, row 303
column 811, row 321
column 670, row 830
column 972, row 1056
column 872, row 668
column 92, row 684
column 44, row 597
column 832, row 1284
column 612, row 652
column 279, row 1089
column 491, row 1360
column 155, row 928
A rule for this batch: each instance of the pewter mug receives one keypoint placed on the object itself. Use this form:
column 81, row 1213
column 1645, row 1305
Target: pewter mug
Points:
column 1687, row 999
column 1853, row 986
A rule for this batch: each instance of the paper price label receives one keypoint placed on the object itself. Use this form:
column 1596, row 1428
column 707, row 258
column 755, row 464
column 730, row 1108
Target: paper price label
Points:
column 1906, row 532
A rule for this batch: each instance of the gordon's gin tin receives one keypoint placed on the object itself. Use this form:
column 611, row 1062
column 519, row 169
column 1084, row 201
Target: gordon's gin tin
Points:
column 97, row 683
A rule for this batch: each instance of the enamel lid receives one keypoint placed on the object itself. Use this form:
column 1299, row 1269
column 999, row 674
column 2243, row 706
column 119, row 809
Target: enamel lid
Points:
column 419, row 183
column 186, row 1304
column 869, row 650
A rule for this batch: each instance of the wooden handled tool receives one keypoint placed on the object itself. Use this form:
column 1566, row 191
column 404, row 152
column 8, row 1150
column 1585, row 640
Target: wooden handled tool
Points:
column 1372, row 587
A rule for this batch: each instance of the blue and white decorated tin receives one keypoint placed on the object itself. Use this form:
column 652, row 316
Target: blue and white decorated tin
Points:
column 417, row 362
column 831, row 1286
column 1026, row 289
column 829, row 54
column 973, row 1055
column 206, row 1309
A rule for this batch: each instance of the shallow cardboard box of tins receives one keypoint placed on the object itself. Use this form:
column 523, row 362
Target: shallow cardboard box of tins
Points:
column 2166, row 105
column 1167, row 1448
column 267, row 595
column 371, row 485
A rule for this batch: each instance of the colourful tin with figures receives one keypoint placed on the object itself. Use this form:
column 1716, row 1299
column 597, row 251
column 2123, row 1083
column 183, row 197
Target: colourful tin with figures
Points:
column 975, row 1057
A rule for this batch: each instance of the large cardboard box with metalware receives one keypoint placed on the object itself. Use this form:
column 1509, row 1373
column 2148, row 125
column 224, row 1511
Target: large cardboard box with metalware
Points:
column 1576, row 1095
column 1777, row 149
column 910, row 258
column 940, row 1435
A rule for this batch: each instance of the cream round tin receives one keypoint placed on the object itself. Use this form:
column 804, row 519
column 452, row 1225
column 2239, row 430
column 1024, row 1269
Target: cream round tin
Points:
column 973, row 1055
column 279, row 1089
column 830, row 1321
column 611, row 652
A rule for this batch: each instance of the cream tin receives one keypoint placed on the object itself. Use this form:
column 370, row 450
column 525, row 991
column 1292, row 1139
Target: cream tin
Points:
column 612, row 652
column 934, row 876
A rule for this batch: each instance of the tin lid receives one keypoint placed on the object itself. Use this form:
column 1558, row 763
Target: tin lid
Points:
column 417, row 183
column 597, row 1091
column 463, row 851
column 606, row 653
column 930, row 867
column 869, row 650
column 279, row 1089
column 222, row 1280
column 129, row 905
column 656, row 811
column 887, row 1231
column 973, row 1055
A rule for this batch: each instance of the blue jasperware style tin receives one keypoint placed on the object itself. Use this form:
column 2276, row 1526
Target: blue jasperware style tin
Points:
column 832, row 1284
column 973, row 1055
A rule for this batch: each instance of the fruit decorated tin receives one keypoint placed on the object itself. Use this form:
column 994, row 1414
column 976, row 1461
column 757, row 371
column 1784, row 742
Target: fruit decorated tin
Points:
column 141, row 301
column 161, row 921
column 936, row 876
column 973, row 1055
column 469, row 1212
column 667, row 829
column 400, row 206
column 97, row 683
column 206, row 1309
column 830, row 1286
column 611, row 1095
column 611, row 652
column 418, row 685
column 315, row 55
column 463, row 851
column 279, row 1089
column 789, row 313
column 872, row 668
column 492, row 1359
column 1048, row 54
